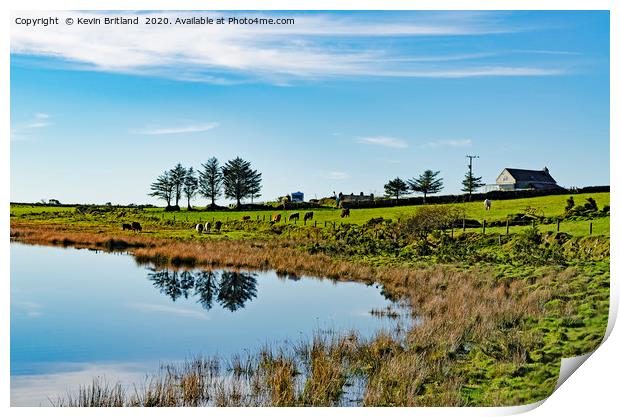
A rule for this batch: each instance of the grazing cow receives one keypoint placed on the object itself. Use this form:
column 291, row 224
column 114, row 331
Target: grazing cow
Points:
column 207, row 227
column 199, row 228
column 126, row 226
column 218, row 226
column 487, row 204
column 276, row 218
column 135, row 226
column 345, row 212
column 308, row 216
column 245, row 218
column 294, row 216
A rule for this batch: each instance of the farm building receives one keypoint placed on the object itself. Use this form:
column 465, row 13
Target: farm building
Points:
column 525, row 179
column 354, row 198
column 297, row 197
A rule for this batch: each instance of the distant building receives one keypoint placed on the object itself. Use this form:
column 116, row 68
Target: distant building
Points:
column 525, row 179
column 353, row 198
column 297, row 197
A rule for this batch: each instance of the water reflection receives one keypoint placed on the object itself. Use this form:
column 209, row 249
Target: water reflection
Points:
column 230, row 289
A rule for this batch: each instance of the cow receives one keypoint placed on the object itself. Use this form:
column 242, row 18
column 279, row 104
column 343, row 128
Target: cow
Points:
column 218, row 226
column 207, row 227
column 308, row 216
column 345, row 212
column 487, row 204
column 276, row 218
column 135, row 226
column 245, row 218
column 126, row 226
column 199, row 228
column 294, row 216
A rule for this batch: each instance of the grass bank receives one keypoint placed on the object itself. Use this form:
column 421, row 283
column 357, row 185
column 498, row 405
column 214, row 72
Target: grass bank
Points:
column 495, row 318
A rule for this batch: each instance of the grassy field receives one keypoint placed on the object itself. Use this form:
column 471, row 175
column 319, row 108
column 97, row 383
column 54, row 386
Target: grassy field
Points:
column 180, row 224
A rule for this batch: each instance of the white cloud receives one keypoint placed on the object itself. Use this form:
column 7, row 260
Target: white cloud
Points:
column 183, row 312
column 337, row 175
column 318, row 45
column 385, row 141
column 19, row 131
column 175, row 130
column 453, row 143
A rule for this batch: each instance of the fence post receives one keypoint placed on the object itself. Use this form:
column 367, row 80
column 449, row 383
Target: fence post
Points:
column 558, row 221
column 315, row 223
column 484, row 226
column 463, row 223
column 507, row 226
column 590, row 227
column 325, row 225
column 533, row 223
column 295, row 220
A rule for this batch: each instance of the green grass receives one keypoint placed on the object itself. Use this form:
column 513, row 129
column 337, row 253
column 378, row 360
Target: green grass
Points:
column 179, row 224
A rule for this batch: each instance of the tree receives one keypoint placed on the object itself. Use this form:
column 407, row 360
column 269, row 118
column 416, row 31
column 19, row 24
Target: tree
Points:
column 190, row 185
column 396, row 188
column 239, row 180
column 177, row 176
column 427, row 183
column 471, row 183
column 210, row 180
column 163, row 188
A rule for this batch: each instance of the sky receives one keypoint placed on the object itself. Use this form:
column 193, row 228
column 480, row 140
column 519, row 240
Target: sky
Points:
column 337, row 101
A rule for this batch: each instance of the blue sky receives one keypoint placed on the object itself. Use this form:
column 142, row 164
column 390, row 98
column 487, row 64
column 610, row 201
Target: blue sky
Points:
column 337, row 102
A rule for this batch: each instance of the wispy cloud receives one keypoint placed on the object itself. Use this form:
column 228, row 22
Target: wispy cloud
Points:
column 203, row 127
column 452, row 143
column 336, row 175
column 20, row 131
column 178, row 311
column 385, row 141
column 316, row 46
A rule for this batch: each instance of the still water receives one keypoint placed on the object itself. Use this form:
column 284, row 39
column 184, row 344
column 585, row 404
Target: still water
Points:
column 78, row 314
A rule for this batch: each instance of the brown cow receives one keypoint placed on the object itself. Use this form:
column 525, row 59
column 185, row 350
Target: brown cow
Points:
column 308, row 216
column 345, row 212
column 276, row 218
column 294, row 216
column 126, row 226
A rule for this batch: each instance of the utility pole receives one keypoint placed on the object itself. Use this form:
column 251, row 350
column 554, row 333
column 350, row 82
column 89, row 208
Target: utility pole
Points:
column 471, row 157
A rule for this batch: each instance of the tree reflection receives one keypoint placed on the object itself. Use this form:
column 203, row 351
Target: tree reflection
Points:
column 206, row 288
column 231, row 289
column 235, row 289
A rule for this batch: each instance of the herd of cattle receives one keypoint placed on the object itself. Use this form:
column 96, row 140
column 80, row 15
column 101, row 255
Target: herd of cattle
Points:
column 216, row 226
column 276, row 218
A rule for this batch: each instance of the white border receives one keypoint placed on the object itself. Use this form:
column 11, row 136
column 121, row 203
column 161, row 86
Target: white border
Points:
column 592, row 390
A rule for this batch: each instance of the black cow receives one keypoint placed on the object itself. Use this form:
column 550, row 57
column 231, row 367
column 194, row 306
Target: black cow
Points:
column 126, row 226
column 345, row 212
column 135, row 226
column 308, row 216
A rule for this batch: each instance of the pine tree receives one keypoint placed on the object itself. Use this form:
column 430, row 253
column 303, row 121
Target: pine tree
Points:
column 210, row 180
column 177, row 176
column 240, row 180
column 427, row 183
column 471, row 183
column 396, row 188
column 163, row 188
column 190, row 186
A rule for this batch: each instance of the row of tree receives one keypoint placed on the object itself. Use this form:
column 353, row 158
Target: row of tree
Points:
column 428, row 182
column 236, row 179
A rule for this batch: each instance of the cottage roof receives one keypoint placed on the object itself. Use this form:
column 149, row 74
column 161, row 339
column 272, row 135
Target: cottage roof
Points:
column 523, row 175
